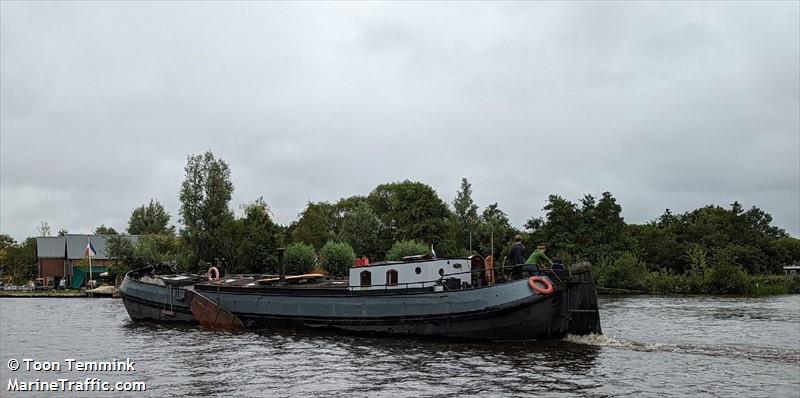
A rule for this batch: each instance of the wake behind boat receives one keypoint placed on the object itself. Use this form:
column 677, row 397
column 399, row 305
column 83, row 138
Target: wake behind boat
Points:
column 457, row 298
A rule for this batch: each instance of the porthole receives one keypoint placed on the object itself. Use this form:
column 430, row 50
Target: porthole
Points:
column 441, row 271
column 418, row 270
column 457, row 266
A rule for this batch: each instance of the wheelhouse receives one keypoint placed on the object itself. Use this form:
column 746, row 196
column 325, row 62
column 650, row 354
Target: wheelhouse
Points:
column 411, row 274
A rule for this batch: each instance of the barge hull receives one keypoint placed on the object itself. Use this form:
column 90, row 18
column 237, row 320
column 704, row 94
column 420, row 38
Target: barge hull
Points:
column 150, row 303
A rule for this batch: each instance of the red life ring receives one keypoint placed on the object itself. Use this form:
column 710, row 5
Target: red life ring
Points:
column 213, row 270
column 546, row 290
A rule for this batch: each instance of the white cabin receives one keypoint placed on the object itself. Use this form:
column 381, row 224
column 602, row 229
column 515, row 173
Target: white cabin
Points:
column 405, row 275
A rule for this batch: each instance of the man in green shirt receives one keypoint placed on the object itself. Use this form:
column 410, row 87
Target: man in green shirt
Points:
column 537, row 257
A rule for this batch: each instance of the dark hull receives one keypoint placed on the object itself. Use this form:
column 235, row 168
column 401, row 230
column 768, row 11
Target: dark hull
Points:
column 149, row 303
column 509, row 311
column 530, row 320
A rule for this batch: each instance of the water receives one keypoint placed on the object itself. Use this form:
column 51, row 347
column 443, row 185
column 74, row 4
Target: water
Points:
column 653, row 346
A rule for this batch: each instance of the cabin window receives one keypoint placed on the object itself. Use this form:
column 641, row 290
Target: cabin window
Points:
column 418, row 270
column 391, row 277
column 457, row 265
column 441, row 271
column 366, row 278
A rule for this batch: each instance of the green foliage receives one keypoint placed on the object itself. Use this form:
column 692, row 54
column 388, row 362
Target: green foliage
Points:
column 127, row 254
column 103, row 230
column 494, row 225
column 773, row 284
column 359, row 226
column 746, row 235
column 591, row 230
column 6, row 241
column 466, row 212
column 251, row 243
column 299, row 259
column 315, row 225
column 725, row 277
column 409, row 210
column 405, row 248
column 150, row 219
column 204, row 197
column 18, row 262
column 337, row 258
column 626, row 272
column 705, row 249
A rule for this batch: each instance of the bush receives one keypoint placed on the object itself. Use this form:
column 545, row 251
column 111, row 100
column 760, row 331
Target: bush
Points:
column 405, row 248
column 725, row 277
column 337, row 258
column 299, row 258
column 626, row 272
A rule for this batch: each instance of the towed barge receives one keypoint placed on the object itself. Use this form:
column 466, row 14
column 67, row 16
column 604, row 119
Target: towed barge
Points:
column 456, row 298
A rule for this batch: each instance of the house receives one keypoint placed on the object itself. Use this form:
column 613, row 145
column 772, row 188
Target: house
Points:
column 64, row 257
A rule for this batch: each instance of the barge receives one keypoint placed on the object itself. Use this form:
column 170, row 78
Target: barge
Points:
column 453, row 298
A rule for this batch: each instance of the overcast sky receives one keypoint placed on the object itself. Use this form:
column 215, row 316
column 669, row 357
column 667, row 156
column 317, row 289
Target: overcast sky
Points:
column 666, row 105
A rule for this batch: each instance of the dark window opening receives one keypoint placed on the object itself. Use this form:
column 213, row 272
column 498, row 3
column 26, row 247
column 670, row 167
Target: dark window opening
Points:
column 366, row 278
column 418, row 270
column 391, row 277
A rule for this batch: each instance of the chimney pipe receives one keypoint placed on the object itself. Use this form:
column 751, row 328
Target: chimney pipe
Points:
column 282, row 276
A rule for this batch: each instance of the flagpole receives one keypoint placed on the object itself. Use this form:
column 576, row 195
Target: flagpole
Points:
column 89, row 245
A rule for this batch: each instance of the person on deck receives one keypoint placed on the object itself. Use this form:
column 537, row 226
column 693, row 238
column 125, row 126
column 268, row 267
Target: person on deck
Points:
column 537, row 259
column 516, row 255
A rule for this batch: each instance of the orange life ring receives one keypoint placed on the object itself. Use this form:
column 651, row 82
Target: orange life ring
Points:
column 546, row 290
column 213, row 270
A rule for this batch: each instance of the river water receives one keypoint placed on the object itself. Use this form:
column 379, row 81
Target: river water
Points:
column 653, row 346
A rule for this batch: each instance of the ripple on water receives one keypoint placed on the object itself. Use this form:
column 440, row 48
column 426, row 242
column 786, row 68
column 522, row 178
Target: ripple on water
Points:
column 649, row 341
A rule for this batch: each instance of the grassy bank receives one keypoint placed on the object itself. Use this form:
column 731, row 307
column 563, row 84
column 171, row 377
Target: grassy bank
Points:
column 628, row 274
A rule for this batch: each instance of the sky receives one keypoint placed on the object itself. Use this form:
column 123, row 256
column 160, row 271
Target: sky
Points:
column 666, row 105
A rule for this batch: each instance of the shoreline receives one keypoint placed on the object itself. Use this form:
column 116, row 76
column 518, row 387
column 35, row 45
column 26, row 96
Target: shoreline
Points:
column 45, row 294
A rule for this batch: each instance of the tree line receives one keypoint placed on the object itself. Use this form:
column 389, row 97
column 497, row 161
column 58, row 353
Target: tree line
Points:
column 409, row 217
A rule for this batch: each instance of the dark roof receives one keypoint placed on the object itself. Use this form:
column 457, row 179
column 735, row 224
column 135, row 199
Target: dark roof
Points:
column 74, row 246
column 51, row 246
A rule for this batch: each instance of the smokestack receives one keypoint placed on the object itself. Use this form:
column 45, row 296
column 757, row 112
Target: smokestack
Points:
column 282, row 276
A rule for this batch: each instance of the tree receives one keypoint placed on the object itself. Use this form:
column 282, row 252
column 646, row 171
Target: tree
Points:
column 6, row 241
column 18, row 261
column 253, row 240
column 103, row 230
column 150, row 219
column 337, row 258
column 409, row 210
column 127, row 253
column 44, row 229
column 494, row 222
column 204, row 197
column 466, row 213
column 63, row 232
column 405, row 248
column 315, row 226
column 359, row 226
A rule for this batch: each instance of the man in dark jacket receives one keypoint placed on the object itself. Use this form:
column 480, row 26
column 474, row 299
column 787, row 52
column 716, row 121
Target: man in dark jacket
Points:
column 516, row 257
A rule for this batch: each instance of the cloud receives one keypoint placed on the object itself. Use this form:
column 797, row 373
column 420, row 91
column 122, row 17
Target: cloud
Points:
column 669, row 105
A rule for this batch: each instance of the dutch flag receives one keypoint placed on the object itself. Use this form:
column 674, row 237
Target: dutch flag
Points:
column 89, row 252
